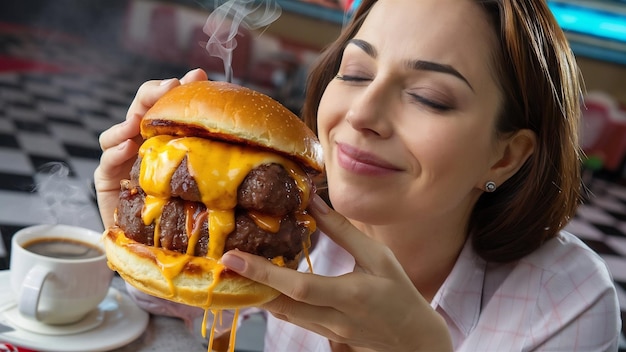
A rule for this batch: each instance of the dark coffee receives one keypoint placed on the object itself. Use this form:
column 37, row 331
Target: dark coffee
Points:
column 63, row 248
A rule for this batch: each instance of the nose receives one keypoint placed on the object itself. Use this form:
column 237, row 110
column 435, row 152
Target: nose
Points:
column 370, row 111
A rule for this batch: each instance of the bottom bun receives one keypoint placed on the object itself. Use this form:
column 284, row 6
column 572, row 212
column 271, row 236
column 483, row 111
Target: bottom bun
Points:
column 180, row 277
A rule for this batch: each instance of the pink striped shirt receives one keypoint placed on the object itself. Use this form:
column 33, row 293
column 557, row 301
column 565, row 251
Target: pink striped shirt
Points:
column 559, row 298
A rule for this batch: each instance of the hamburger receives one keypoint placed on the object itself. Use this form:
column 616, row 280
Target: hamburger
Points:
column 222, row 167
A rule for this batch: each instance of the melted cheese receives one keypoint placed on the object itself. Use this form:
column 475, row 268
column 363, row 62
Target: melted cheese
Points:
column 217, row 316
column 218, row 169
column 171, row 264
column 151, row 213
column 221, row 223
column 278, row 261
column 152, row 209
column 213, row 326
column 218, row 180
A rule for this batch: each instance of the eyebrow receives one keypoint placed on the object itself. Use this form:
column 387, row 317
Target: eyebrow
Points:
column 420, row 65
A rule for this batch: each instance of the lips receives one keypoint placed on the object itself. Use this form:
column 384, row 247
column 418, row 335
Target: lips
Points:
column 362, row 162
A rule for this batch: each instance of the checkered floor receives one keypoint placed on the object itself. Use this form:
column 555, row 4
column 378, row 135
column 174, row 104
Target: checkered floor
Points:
column 53, row 109
column 56, row 96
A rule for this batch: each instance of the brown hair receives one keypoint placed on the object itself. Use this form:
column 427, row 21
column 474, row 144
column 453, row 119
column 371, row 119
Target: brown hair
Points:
column 541, row 87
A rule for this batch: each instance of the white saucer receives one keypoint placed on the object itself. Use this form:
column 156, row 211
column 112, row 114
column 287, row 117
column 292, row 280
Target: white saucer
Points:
column 91, row 321
column 121, row 322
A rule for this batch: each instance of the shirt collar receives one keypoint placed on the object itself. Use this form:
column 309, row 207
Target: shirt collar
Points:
column 460, row 296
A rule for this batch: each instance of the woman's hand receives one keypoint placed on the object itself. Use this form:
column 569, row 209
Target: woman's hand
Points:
column 376, row 306
column 121, row 142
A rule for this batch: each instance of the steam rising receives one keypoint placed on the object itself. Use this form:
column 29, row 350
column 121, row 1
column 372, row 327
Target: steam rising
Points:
column 66, row 202
column 223, row 23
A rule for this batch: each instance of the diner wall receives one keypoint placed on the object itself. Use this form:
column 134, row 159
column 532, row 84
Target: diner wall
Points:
column 604, row 76
column 304, row 30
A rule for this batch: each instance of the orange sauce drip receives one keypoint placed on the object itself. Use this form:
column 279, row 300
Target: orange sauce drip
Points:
column 193, row 225
column 217, row 316
column 266, row 222
column 213, row 326
column 301, row 182
column 305, row 250
column 157, row 232
column 306, row 220
column 233, row 332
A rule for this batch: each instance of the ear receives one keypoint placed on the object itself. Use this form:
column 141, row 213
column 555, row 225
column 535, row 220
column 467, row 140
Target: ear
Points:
column 512, row 154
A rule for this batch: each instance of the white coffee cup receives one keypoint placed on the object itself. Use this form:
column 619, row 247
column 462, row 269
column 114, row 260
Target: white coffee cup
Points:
column 65, row 280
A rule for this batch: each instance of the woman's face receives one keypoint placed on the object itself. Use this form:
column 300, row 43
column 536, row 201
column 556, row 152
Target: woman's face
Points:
column 408, row 123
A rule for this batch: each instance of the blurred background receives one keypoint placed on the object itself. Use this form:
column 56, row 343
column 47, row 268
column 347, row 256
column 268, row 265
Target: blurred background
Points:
column 69, row 69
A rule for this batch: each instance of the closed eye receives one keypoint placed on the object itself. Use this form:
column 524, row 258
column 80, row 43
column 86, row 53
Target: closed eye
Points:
column 430, row 103
column 348, row 78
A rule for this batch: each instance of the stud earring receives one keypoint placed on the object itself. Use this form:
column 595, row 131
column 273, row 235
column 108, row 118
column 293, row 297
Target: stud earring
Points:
column 490, row 186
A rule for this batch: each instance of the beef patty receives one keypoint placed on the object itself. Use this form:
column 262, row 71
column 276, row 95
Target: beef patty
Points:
column 267, row 189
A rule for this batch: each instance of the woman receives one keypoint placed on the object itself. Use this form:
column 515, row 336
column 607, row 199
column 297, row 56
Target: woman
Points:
column 450, row 136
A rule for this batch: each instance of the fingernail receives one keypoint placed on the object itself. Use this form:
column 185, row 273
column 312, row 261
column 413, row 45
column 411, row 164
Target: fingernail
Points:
column 188, row 74
column 166, row 82
column 234, row 262
column 318, row 205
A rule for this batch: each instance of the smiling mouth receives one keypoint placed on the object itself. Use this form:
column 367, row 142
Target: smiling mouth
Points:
column 359, row 161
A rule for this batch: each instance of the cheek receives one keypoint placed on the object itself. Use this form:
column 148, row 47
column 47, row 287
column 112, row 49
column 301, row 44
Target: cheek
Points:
column 329, row 114
column 449, row 153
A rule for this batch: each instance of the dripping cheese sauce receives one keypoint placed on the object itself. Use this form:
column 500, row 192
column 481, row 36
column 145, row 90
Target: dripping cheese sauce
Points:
column 218, row 182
